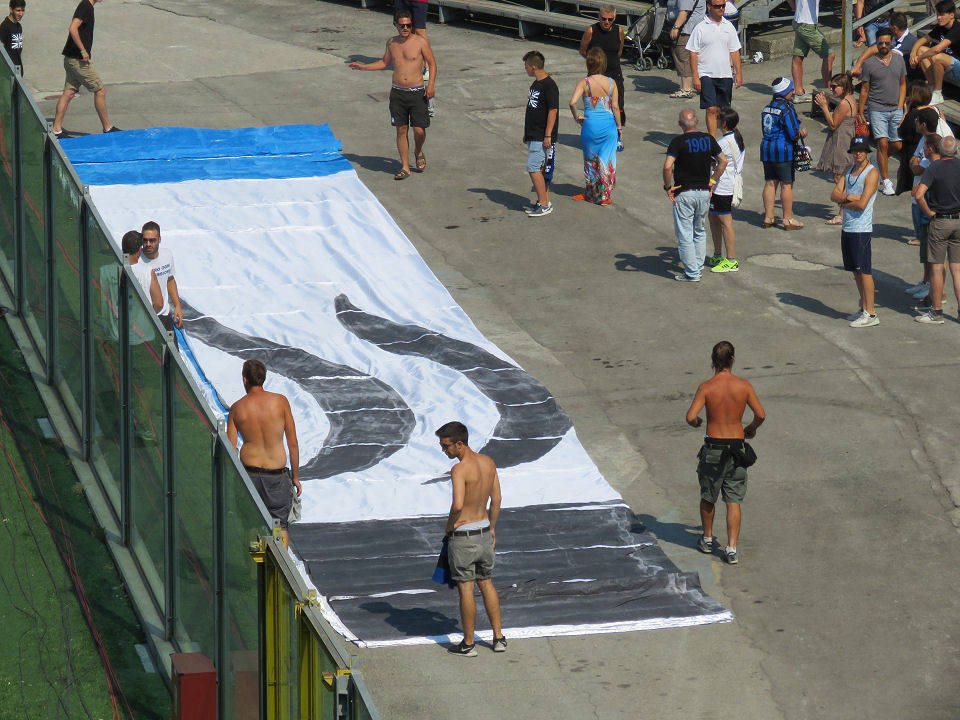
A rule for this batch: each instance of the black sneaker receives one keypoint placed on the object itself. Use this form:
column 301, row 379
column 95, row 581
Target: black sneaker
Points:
column 64, row 135
column 499, row 644
column 705, row 546
column 463, row 649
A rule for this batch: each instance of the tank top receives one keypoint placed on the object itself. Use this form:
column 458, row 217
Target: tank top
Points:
column 609, row 42
column 860, row 221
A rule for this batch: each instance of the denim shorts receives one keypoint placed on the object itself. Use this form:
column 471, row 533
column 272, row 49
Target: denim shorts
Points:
column 536, row 156
column 782, row 172
column 886, row 124
column 953, row 72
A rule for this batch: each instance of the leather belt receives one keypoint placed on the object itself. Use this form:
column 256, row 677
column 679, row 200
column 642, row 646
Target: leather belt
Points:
column 948, row 216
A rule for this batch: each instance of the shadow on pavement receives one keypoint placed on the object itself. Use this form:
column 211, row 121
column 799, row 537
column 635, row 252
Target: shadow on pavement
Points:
column 679, row 534
column 509, row 200
column 374, row 163
column 811, row 305
column 662, row 265
column 415, row 622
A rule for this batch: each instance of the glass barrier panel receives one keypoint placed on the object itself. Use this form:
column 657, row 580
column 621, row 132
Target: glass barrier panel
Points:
column 32, row 134
column 8, row 251
column 317, row 673
column 147, row 492
column 193, row 483
column 287, row 648
column 241, row 643
column 66, row 273
column 360, row 702
column 105, row 455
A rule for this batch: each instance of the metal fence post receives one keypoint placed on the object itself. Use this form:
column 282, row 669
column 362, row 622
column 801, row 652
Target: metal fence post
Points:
column 169, row 515
column 50, row 270
column 845, row 33
column 126, row 416
column 18, row 267
column 219, row 571
column 86, row 331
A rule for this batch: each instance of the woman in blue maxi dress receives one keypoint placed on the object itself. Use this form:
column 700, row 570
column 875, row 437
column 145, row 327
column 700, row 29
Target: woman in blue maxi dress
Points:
column 599, row 128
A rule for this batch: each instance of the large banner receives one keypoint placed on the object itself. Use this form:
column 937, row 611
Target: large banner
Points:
column 282, row 254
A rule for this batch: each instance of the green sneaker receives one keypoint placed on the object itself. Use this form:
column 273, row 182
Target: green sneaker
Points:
column 713, row 261
column 726, row 265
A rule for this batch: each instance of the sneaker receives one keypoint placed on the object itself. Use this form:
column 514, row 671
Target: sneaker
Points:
column 937, row 97
column 922, row 291
column 463, row 649
column 865, row 320
column 886, row 186
column 64, row 135
column 539, row 210
column 801, row 97
column 930, row 317
column 853, row 316
column 113, row 128
column 499, row 644
column 683, row 277
column 915, row 288
column 706, row 547
column 726, row 265
column 714, row 261
column 431, row 108
column 732, row 556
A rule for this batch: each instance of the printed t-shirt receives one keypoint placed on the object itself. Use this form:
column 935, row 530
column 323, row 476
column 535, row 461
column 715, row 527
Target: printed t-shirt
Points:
column 544, row 96
column 163, row 267
column 11, row 35
column 694, row 154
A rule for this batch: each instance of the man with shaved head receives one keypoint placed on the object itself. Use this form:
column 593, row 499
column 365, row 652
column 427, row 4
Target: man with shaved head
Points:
column 694, row 164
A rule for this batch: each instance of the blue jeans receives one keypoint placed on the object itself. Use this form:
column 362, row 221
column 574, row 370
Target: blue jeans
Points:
column 870, row 30
column 689, row 223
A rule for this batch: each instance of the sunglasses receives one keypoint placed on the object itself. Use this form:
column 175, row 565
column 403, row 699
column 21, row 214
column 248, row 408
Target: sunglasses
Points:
column 404, row 25
column 884, row 42
column 607, row 20
column 719, row 7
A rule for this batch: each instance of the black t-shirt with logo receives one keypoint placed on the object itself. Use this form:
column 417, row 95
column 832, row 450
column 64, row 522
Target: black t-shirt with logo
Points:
column 694, row 154
column 943, row 180
column 83, row 13
column 11, row 35
column 543, row 97
column 939, row 33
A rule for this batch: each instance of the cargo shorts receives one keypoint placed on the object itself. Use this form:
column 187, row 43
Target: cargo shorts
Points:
column 81, row 74
column 720, row 475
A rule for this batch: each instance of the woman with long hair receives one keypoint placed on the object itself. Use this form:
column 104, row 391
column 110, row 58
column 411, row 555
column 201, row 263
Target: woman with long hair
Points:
column 721, row 202
column 834, row 157
column 599, row 128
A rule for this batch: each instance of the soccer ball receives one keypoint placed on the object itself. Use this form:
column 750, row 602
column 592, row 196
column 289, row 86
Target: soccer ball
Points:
column 757, row 57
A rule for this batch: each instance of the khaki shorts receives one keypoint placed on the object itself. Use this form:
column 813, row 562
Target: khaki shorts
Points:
column 81, row 74
column 681, row 57
column 808, row 37
column 470, row 557
column 719, row 475
column 943, row 241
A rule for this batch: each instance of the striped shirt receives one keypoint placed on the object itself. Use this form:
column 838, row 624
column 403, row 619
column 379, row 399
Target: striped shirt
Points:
column 781, row 128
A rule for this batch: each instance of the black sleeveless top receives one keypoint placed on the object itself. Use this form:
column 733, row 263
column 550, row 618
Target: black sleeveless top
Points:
column 609, row 42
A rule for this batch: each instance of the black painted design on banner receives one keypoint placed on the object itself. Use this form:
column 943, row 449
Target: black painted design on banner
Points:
column 369, row 421
column 531, row 422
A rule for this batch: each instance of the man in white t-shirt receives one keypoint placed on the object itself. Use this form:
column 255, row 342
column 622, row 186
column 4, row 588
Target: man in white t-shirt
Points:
column 715, row 61
column 807, row 36
column 132, row 244
column 161, row 262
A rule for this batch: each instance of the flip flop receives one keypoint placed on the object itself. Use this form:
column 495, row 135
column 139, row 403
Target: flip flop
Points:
column 421, row 162
column 402, row 175
column 578, row 197
column 768, row 223
column 791, row 225
column 913, row 242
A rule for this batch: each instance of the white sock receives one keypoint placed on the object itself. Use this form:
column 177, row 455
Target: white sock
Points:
column 708, row 539
column 731, row 549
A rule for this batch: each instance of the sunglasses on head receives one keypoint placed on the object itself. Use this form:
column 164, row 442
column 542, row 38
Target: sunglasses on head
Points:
column 404, row 25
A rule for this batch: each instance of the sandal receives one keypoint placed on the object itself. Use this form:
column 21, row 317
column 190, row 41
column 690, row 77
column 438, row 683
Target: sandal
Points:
column 579, row 197
column 768, row 223
column 402, row 175
column 835, row 220
column 421, row 162
column 913, row 242
column 791, row 224
column 681, row 95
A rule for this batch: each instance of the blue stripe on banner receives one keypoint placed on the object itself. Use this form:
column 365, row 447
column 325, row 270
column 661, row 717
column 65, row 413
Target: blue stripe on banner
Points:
column 159, row 155
column 185, row 346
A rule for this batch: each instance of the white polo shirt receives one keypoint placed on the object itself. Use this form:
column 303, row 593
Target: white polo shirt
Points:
column 713, row 42
column 807, row 12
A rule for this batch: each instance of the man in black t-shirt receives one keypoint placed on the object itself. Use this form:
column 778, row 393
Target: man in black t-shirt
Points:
column 80, row 70
column 939, row 53
column 694, row 164
column 11, row 33
column 540, row 129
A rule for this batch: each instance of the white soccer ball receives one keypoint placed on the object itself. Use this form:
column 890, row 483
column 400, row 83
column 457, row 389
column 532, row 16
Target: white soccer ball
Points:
column 758, row 57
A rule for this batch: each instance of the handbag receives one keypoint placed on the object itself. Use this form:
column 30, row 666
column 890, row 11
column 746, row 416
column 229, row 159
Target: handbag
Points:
column 861, row 128
column 737, row 178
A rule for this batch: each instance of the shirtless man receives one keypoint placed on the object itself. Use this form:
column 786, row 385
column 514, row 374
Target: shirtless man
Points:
column 471, row 534
column 725, row 397
column 408, row 53
column 263, row 419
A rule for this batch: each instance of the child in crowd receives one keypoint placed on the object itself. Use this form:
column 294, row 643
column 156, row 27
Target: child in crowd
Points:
column 11, row 33
column 540, row 129
column 721, row 202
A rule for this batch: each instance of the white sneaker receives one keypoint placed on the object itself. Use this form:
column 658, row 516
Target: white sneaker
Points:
column 865, row 320
column 937, row 97
column 854, row 316
column 886, row 186
column 922, row 291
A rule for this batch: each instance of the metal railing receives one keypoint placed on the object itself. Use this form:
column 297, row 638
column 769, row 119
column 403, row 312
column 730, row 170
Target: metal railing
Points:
column 212, row 561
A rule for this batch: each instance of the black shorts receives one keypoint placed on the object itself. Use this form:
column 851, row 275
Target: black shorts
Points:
column 715, row 92
column 857, row 253
column 721, row 204
column 417, row 8
column 275, row 488
column 780, row 171
column 409, row 107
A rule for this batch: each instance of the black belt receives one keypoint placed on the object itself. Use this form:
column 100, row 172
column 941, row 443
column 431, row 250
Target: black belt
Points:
column 468, row 533
column 265, row 471
column 948, row 216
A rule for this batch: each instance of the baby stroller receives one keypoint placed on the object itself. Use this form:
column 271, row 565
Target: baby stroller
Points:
column 650, row 36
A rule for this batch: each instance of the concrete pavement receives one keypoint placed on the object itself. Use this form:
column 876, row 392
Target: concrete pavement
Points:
column 846, row 598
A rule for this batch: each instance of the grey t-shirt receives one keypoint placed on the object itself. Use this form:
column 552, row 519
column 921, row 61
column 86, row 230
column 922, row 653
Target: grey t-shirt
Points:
column 943, row 180
column 884, row 82
column 697, row 10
